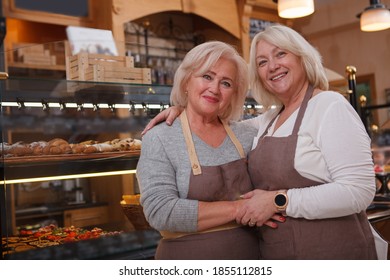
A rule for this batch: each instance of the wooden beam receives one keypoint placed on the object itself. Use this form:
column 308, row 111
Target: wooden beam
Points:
column 269, row 4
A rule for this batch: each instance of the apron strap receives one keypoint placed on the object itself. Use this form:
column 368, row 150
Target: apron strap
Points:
column 271, row 122
column 234, row 139
column 196, row 170
column 195, row 166
column 302, row 109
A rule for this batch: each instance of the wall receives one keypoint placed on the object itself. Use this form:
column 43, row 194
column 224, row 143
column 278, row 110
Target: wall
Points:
column 335, row 30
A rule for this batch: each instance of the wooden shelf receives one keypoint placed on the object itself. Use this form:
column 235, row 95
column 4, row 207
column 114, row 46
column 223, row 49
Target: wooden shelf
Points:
column 66, row 157
column 37, row 66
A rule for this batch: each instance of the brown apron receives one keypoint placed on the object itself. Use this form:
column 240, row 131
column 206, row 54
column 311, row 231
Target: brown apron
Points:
column 213, row 183
column 271, row 167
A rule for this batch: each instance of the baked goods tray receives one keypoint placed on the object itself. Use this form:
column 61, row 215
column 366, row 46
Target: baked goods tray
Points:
column 66, row 157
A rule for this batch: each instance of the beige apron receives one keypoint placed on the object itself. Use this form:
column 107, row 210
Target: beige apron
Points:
column 213, row 183
column 271, row 167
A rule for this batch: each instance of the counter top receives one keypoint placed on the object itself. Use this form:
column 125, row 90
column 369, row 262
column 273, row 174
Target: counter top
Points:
column 376, row 215
column 379, row 209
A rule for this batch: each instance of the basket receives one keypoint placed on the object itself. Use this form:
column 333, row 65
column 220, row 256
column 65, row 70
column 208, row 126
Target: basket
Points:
column 135, row 215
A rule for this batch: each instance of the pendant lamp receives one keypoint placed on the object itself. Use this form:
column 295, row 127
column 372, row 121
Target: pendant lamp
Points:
column 295, row 8
column 375, row 17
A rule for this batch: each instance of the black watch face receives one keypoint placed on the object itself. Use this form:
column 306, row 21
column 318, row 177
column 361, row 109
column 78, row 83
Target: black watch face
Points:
column 280, row 200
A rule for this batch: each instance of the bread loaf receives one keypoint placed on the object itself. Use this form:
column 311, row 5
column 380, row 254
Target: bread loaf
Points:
column 57, row 142
column 37, row 147
column 83, row 149
column 104, row 147
column 136, row 144
column 121, row 145
column 57, row 146
column 127, row 144
column 52, row 150
column 89, row 149
column 78, row 148
column 5, row 147
column 20, row 149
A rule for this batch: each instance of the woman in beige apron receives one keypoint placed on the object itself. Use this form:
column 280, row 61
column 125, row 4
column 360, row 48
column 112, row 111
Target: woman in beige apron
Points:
column 271, row 166
column 213, row 183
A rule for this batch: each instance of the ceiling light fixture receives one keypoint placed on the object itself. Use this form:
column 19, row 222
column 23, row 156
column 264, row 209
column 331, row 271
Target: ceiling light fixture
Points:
column 375, row 17
column 295, row 8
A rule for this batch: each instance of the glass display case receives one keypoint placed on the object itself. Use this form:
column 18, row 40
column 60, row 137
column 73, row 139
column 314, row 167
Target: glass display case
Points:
column 376, row 120
column 69, row 150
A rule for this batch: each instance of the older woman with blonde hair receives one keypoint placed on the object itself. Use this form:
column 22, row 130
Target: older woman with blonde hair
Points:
column 311, row 159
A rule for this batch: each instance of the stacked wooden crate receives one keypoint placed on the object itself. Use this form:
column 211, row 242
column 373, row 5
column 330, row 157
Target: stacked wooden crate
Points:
column 105, row 68
column 34, row 54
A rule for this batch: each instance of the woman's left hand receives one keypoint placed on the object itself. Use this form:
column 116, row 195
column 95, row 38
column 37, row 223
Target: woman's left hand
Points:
column 258, row 208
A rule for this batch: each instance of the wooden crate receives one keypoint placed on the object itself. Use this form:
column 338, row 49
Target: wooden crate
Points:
column 104, row 68
column 34, row 54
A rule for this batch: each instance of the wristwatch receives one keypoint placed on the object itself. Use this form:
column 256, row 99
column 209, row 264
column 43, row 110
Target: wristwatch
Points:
column 281, row 201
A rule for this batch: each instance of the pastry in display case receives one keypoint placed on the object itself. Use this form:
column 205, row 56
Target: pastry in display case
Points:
column 69, row 150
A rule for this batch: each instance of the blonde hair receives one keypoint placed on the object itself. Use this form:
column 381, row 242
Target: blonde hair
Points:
column 289, row 40
column 198, row 61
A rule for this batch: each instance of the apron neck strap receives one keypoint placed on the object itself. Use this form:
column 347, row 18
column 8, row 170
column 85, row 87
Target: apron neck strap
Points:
column 234, row 139
column 302, row 109
column 195, row 166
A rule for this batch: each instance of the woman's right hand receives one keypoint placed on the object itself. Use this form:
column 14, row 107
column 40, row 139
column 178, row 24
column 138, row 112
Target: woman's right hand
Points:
column 169, row 115
column 272, row 222
column 257, row 208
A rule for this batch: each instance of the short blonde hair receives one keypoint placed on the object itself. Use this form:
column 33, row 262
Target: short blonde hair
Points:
column 289, row 40
column 199, row 60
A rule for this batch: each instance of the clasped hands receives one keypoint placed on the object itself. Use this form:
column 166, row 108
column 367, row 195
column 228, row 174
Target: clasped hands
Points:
column 256, row 208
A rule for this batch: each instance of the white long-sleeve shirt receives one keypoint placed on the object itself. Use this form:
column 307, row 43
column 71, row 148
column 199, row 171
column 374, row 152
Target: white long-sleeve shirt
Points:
column 333, row 148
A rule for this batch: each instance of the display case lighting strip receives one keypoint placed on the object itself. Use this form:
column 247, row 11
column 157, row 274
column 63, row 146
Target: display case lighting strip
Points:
column 66, row 177
column 100, row 105
column 84, row 105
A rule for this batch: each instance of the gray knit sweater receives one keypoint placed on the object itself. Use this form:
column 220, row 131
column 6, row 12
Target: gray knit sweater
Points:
column 164, row 169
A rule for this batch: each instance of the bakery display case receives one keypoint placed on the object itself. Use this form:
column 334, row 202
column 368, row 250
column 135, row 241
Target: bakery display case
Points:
column 376, row 120
column 69, row 151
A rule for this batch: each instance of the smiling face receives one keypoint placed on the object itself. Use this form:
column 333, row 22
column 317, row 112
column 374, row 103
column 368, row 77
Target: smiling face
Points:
column 210, row 93
column 281, row 72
